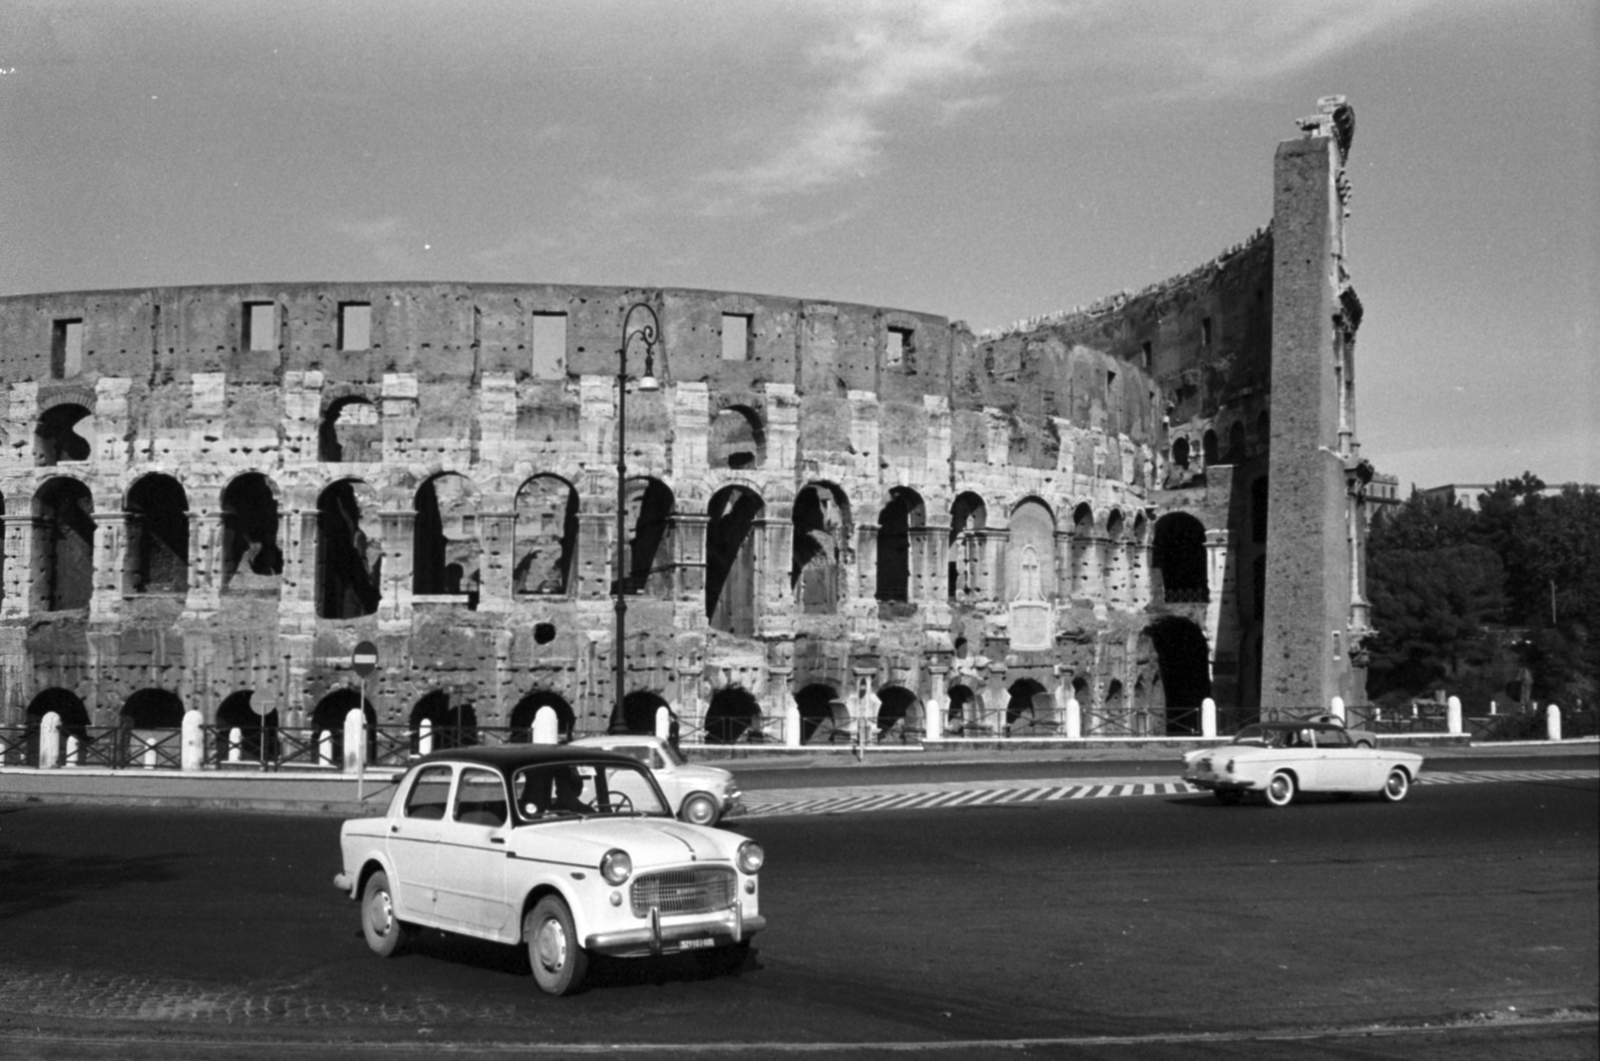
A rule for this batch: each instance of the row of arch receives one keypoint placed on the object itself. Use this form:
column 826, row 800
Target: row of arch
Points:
column 447, row 546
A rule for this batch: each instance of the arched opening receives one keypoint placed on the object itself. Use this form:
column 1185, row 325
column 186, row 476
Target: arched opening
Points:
column 963, row 709
column 823, row 716
column 1179, row 553
column 731, row 560
column 821, row 546
column 251, row 559
column 158, row 537
column 639, row 713
column 1115, row 711
column 732, row 715
column 63, row 545
column 1029, row 708
column 258, row 734
column 349, row 551
column 1185, row 663
column 546, row 536
column 152, row 709
column 1083, row 549
column 737, row 439
column 67, row 707
column 1208, row 447
column 445, row 538
column 329, row 716
column 1180, row 453
column 350, row 432
column 649, row 545
column 968, row 519
column 452, row 720
column 899, row 714
column 527, row 708
column 895, row 523
column 56, row 437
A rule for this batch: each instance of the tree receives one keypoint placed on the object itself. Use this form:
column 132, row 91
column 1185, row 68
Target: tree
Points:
column 1430, row 607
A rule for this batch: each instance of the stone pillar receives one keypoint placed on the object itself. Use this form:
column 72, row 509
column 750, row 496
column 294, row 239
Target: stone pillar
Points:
column 1208, row 717
column 1453, row 707
column 19, row 563
column 192, row 757
column 206, row 561
column 1552, row 723
column 355, row 740
column 50, row 741
column 110, row 558
column 497, row 536
column 546, row 727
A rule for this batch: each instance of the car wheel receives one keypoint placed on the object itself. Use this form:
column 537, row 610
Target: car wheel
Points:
column 1396, row 785
column 1280, row 790
column 699, row 809
column 1364, row 744
column 1228, row 797
column 559, row 961
column 386, row 934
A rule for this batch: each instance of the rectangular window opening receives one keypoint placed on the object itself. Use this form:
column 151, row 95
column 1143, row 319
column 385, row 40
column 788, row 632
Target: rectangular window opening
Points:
column 1205, row 332
column 66, row 348
column 896, row 347
column 549, row 345
column 260, row 326
column 736, row 337
column 355, row 326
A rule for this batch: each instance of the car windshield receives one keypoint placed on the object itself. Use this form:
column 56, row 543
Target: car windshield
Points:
column 1271, row 738
column 674, row 756
column 577, row 789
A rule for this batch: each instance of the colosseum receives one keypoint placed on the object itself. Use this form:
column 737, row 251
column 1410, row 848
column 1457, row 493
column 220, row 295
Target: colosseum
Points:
column 824, row 521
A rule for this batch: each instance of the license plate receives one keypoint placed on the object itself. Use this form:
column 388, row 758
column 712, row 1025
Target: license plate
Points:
column 692, row 944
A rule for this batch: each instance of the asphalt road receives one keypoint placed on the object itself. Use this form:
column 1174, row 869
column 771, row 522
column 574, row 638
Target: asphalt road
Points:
column 1462, row 923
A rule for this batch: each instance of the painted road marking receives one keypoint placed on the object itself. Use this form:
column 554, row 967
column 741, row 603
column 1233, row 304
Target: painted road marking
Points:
column 861, row 799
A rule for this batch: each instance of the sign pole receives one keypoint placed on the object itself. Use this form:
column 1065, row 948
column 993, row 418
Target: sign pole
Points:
column 363, row 660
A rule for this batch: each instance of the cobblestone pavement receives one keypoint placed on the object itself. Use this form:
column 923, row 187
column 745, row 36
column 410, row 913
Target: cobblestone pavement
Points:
column 773, row 802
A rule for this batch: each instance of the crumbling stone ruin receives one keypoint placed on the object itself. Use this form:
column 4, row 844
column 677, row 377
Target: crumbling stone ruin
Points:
column 212, row 494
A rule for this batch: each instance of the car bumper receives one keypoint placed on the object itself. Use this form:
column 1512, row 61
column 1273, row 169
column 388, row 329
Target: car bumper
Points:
column 1220, row 784
column 670, row 935
column 345, row 883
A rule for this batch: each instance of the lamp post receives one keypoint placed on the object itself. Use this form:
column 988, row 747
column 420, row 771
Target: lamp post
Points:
column 649, row 333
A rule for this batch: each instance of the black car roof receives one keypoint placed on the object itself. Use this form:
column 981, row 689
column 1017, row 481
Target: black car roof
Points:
column 509, row 757
column 1296, row 725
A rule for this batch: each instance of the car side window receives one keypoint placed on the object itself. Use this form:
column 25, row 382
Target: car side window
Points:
column 480, row 798
column 634, row 751
column 430, row 793
column 1332, row 738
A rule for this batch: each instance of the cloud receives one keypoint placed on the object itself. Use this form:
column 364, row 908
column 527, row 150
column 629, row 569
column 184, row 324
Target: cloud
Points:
column 878, row 55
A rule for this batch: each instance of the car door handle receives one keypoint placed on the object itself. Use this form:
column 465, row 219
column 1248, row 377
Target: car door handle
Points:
column 497, row 839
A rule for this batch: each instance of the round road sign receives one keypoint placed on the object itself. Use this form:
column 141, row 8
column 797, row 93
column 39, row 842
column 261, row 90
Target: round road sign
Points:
column 364, row 660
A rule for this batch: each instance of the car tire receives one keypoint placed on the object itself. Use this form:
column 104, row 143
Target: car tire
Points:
column 1228, row 797
column 386, row 934
column 558, row 959
column 699, row 809
column 1280, row 790
column 1396, row 785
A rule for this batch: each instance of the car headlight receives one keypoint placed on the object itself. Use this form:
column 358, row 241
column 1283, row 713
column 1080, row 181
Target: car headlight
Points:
column 751, row 857
column 615, row 866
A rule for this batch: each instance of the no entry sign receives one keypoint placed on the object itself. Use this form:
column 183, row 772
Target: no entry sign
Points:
column 364, row 660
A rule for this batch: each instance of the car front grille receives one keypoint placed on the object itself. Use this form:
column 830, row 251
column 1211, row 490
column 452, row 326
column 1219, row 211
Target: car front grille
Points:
column 684, row 891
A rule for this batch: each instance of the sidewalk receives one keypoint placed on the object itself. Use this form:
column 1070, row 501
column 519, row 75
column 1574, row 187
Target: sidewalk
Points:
column 325, row 792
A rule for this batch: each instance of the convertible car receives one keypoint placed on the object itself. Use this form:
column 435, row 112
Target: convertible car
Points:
column 1279, row 759
column 568, row 851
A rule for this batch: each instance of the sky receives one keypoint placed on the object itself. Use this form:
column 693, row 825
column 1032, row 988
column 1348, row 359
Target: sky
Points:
column 983, row 160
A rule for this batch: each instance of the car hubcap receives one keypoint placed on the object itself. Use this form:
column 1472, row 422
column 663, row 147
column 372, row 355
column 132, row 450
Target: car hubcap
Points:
column 1280, row 788
column 382, row 913
column 552, row 946
column 1397, row 784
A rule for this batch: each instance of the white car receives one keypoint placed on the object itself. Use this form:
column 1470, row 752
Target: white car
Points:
column 700, row 794
column 568, row 851
column 1279, row 759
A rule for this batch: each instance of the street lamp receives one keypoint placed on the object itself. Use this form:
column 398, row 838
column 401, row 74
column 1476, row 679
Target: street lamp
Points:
column 648, row 332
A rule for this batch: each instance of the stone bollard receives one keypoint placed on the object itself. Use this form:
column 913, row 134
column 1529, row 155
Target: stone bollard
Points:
column 151, row 758
column 72, row 752
column 791, row 721
column 355, row 740
column 235, row 745
column 1336, row 709
column 324, row 742
column 933, row 713
column 663, row 722
column 1453, row 714
column 425, row 737
column 1552, row 722
column 1074, row 719
column 1208, row 717
column 50, row 741
column 192, row 743
column 546, row 727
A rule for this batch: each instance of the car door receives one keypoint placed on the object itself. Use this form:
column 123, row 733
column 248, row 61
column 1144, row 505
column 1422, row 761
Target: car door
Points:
column 1342, row 767
column 471, row 870
column 414, row 842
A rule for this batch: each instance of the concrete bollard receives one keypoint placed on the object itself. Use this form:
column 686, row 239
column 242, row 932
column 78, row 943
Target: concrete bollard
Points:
column 933, row 720
column 50, row 741
column 151, row 757
column 1453, row 714
column 791, row 722
column 235, row 745
column 1552, row 722
column 72, row 752
column 546, row 727
column 663, row 722
column 1208, row 717
column 355, row 740
column 192, row 743
column 1336, row 709
column 425, row 737
column 1074, row 719
column 324, row 744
